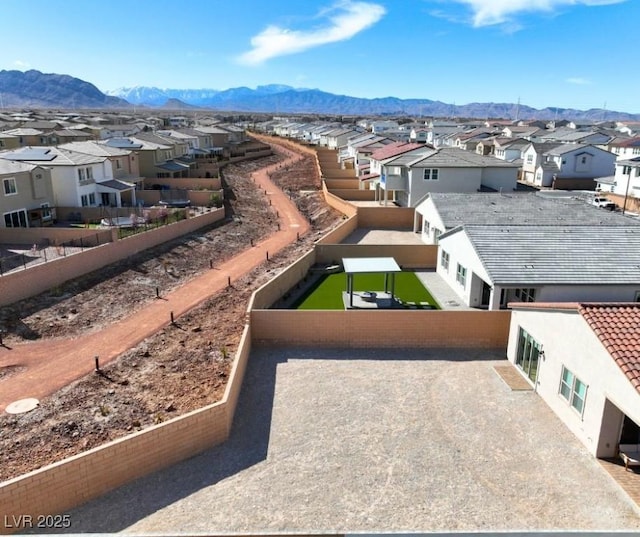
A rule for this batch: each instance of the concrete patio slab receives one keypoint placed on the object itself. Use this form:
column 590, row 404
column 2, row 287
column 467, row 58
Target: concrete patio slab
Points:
column 336, row 440
column 383, row 236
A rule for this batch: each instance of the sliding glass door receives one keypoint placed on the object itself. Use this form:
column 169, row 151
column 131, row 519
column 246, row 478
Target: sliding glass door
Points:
column 528, row 354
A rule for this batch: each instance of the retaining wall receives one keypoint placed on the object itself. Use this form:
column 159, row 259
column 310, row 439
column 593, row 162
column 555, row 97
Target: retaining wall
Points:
column 354, row 194
column 275, row 288
column 54, row 235
column 339, row 204
column 406, row 255
column 39, row 278
column 340, row 232
column 407, row 328
column 385, row 217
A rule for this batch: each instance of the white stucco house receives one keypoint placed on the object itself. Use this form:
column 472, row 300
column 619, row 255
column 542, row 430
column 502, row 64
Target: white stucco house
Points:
column 583, row 359
column 440, row 212
column 408, row 178
column 489, row 266
column 626, row 179
column 567, row 161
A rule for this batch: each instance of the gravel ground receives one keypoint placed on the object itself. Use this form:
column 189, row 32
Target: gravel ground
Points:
column 376, row 440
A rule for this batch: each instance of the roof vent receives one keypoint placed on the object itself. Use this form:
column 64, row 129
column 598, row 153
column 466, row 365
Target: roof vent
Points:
column 528, row 266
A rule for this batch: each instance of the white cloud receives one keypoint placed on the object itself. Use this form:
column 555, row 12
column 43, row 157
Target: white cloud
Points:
column 21, row 65
column 346, row 19
column 578, row 80
column 490, row 12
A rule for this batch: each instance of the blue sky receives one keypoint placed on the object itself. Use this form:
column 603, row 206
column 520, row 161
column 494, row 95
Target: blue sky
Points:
column 566, row 53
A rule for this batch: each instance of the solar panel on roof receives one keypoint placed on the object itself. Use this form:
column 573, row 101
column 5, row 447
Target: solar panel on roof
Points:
column 41, row 154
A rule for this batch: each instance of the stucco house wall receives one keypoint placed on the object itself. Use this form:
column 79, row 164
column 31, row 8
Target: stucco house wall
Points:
column 567, row 340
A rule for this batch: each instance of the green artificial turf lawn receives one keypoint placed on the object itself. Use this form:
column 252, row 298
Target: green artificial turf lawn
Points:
column 327, row 294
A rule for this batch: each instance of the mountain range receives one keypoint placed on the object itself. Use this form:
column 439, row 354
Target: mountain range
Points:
column 33, row 89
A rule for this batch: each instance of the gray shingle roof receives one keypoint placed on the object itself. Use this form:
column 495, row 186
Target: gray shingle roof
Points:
column 456, row 209
column 569, row 255
column 452, row 157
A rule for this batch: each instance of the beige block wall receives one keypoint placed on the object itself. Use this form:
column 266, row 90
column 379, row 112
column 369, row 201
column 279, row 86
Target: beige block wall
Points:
column 633, row 204
column 73, row 481
column 406, row 255
column 352, row 183
column 54, row 235
column 406, row 328
column 355, row 195
column 385, row 217
column 187, row 183
column 69, row 483
column 340, row 232
column 42, row 277
column 200, row 198
column 238, row 369
column 280, row 284
column 339, row 204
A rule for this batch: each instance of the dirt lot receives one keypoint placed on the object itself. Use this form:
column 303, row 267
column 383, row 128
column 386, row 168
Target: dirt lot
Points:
column 179, row 369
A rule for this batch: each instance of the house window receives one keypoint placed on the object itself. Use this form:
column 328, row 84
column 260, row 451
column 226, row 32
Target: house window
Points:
column 444, row 260
column 425, row 227
column 16, row 219
column 636, row 150
column 626, row 170
column 46, row 211
column 82, row 176
column 10, row 187
column 436, row 235
column 89, row 174
column 84, row 200
column 528, row 354
column 526, row 295
column 430, row 174
column 616, row 150
column 92, row 199
column 118, row 164
column 461, row 275
column 529, row 159
column 573, row 390
column 583, row 160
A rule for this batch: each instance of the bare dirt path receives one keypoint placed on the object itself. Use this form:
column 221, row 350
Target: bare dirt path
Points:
column 43, row 367
column 179, row 367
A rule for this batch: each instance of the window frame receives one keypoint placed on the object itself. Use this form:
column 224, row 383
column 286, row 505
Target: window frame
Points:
column 18, row 213
column 526, row 294
column 8, row 191
column 445, row 260
column 432, row 175
column 573, row 390
column 461, row 275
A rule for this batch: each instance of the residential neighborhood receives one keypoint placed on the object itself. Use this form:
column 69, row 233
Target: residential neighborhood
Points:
column 495, row 219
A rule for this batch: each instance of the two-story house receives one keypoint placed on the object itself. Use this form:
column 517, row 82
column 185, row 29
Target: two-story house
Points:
column 76, row 178
column 410, row 177
column 26, row 195
column 580, row 163
column 626, row 179
column 125, row 171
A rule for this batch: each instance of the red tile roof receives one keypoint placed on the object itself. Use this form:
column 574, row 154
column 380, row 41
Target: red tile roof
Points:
column 394, row 149
column 618, row 327
column 369, row 176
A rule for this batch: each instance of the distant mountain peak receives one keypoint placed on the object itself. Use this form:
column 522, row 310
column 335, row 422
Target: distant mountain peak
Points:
column 33, row 89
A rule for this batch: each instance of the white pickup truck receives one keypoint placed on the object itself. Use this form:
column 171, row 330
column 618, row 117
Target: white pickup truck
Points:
column 604, row 203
